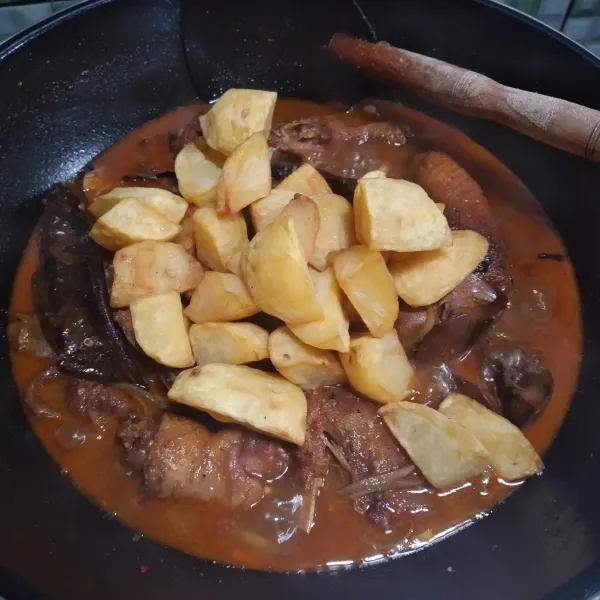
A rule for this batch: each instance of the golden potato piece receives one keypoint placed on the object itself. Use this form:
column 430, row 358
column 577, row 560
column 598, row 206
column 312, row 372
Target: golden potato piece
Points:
column 423, row 278
column 218, row 237
column 393, row 214
column 167, row 205
column 511, row 454
column 303, row 365
column 197, row 177
column 336, row 228
column 445, row 452
column 151, row 268
column 277, row 275
column 378, row 367
column 305, row 180
column 160, row 329
column 366, row 281
column 185, row 237
column 235, row 116
column 332, row 331
column 305, row 214
column 266, row 210
column 236, row 394
column 220, row 297
column 246, row 175
column 228, row 343
column 129, row 222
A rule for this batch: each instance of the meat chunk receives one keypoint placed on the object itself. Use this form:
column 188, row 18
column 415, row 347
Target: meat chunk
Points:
column 123, row 319
column 366, row 445
column 519, row 379
column 180, row 457
column 25, row 333
column 332, row 145
column 463, row 317
column 263, row 458
column 86, row 397
column 466, row 208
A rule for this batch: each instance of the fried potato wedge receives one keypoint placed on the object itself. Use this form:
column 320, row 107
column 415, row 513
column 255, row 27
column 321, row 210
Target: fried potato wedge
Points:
column 393, row 214
column 129, row 222
column 378, row 367
column 167, row 205
column 235, row 116
column 197, row 177
column 160, row 329
column 332, row 331
column 423, row 278
column 305, row 214
column 185, row 237
column 228, row 343
column 302, row 364
column 511, row 454
column 218, row 237
column 151, row 268
column 264, row 211
column 446, row 453
column 336, row 228
column 246, row 175
column 220, row 297
column 366, row 281
column 237, row 394
column 305, row 180
column 277, row 275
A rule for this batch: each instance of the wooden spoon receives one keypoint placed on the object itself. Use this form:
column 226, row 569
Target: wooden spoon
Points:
column 555, row 122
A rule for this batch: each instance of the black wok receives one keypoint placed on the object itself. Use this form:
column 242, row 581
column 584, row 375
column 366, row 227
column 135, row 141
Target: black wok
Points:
column 74, row 85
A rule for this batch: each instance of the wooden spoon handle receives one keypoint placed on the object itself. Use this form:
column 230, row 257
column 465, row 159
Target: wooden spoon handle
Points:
column 555, row 122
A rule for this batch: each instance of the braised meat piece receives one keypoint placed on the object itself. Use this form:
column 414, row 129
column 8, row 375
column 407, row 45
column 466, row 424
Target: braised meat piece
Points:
column 519, row 379
column 123, row 319
column 25, row 334
column 180, row 457
column 331, row 145
column 86, row 397
column 71, row 297
column 366, row 446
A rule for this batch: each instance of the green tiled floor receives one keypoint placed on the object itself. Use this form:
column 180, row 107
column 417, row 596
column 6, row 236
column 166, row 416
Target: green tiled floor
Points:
column 579, row 19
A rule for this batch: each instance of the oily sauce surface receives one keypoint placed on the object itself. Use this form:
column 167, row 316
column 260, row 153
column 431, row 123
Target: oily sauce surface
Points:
column 544, row 315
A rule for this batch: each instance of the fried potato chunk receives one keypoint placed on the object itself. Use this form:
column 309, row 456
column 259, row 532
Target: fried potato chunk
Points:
column 197, row 177
column 218, row 237
column 237, row 394
column 235, row 116
column 220, row 297
column 305, row 180
column 366, row 281
column 129, row 222
column 246, row 175
column 277, row 275
column 511, row 454
column 336, row 228
column 393, row 214
column 378, row 367
column 332, row 331
column 167, row 205
column 228, row 343
column 423, row 278
column 264, row 211
column 160, row 329
column 302, row 364
column 445, row 452
column 150, row 268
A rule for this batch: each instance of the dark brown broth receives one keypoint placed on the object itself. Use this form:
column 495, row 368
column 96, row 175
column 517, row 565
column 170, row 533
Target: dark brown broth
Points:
column 340, row 536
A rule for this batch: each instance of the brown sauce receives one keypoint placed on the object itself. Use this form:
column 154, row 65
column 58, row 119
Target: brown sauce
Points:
column 544, row 315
